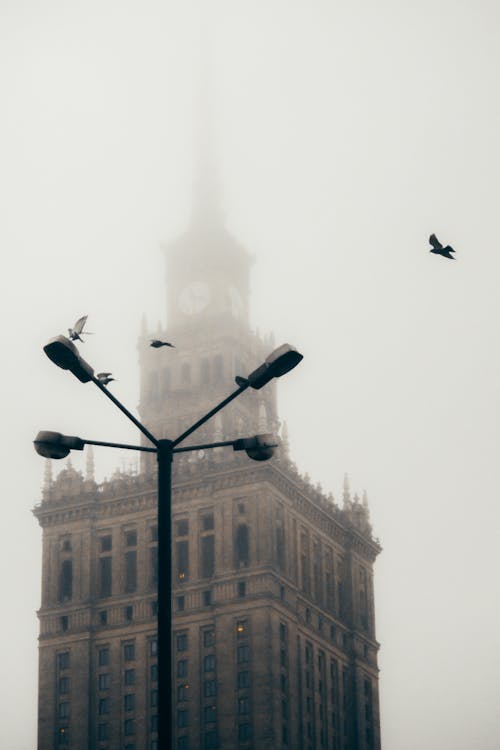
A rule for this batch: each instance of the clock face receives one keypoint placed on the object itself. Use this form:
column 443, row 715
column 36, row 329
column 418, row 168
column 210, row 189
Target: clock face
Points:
column 236, row 302
column 194, row 297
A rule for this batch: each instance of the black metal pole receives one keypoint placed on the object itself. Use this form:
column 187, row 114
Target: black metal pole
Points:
column 165, row 671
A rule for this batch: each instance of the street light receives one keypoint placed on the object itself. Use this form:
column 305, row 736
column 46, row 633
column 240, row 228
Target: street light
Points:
column 64, row 354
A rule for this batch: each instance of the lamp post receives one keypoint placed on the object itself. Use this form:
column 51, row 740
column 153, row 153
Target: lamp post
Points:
column 64, row 354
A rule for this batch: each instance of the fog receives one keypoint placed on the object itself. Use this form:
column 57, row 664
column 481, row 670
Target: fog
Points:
column 344, row 134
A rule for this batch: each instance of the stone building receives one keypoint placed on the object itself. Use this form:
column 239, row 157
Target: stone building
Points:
column 274, row 632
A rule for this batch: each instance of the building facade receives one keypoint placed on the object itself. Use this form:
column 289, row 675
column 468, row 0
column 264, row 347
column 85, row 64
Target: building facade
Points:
column 274, row 630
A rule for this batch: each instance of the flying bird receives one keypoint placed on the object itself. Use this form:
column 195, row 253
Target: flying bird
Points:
column 104, row 377
column 438, row 249
column 74, row 333
column 156, row 343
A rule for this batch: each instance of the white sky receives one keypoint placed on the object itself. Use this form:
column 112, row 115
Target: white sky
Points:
column 346, row 132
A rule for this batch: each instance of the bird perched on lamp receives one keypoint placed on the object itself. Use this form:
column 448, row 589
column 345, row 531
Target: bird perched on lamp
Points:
column 74, row 333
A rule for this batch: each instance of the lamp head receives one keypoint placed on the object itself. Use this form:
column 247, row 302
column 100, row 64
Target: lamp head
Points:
column 258, row 448
column 63, row 353
column 278, row 363
column 55, row 445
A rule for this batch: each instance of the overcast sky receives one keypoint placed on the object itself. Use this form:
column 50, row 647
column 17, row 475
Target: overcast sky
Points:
column 345, row 133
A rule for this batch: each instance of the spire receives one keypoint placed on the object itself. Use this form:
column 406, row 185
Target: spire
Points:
column 263, row 424
column 285, row 442
column 217, row 428
column 206, row 204
column 47, row 477
column 347, row 492
column 90, row 465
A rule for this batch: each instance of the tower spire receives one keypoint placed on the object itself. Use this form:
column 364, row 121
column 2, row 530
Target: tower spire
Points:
column 346, row 497
column 90, row 465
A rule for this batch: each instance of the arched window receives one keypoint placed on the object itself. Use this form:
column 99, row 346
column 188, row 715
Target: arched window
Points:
column 186, row 373
column 218, row 368
column 66, row 581
column 204, row 371
column 242, row 546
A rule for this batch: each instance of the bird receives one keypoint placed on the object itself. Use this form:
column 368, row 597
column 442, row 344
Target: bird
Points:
column 74, row 333
column 104, row 377
column 156, row 343
column 438, row 249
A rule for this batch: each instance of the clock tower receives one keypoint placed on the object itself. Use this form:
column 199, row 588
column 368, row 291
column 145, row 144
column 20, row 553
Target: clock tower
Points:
column 208, row 290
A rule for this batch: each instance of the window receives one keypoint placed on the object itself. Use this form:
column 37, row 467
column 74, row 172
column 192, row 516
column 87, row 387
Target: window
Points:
column 102, row 732
column 182, row 550
column 210, row 714
column 207, row 598
column 182, row 717
column 207, row 521
column 105, row 577
column 244, row 732
column 154, row 723
column 209, row 663
column 129, row 727
column 180, row 603
column 104, row 681
column 207, row 557
column 103, row 706
column 242, row 552
column 243, row 653
column 153, row 533
column 209, row 688
column 63, row 660
column 129, row 677
column 182, row 692
column 63, row 735
column 182, row 743
column 283, row 683
column 129, row 651
column 64, row 684
column 182, row 527
column 153, row 647
column 66, row 581
column 129, row 702
column 242, row 589
column 208, row 637
column 64, row 710
column 103, row 657
column 153, row 672
column 283, row 632
column 131, row 538
column 103, row 617
column 243, row 705
column 241, row 628
column 130, row 571
column 282, row 657
column 284, row 709
column 210, row 740
column 105, row 543
column 241, row 508
column 153, row 698
column 129, row 613
column 182, row 668
column 66, row 544
column 186, row 373
column 64, row 622
column 243, row 680
column 154, row 608
column 182, row 642
column 204, row 371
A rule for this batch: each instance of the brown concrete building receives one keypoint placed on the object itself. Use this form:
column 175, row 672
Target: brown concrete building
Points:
column 274, row 640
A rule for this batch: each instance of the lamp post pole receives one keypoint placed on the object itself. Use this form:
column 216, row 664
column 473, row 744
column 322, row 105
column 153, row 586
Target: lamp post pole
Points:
column 261, row 447
column 165, row 637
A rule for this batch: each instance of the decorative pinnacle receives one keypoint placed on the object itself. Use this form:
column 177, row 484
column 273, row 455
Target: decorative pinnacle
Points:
column 90, row 465
column 346, row 497
column 47, row 477
column 263, row 426
column 285, row 442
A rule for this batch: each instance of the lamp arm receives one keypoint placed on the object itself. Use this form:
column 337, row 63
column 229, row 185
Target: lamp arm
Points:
column 210, row 414
column 122, row 408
